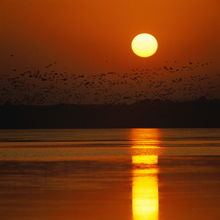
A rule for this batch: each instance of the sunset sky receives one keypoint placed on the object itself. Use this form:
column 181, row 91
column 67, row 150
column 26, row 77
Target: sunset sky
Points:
column 86, row 37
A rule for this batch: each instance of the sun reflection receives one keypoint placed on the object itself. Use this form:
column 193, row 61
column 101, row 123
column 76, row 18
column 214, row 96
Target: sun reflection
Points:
column 145, row 194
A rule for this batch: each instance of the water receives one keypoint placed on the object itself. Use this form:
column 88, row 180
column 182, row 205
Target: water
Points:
column 94, row 174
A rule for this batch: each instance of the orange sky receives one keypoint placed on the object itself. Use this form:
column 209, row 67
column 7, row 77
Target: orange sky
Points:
column 87, row 37
column 95, row 35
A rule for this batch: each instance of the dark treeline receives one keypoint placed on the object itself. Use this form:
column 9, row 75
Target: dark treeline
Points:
column 149, row 113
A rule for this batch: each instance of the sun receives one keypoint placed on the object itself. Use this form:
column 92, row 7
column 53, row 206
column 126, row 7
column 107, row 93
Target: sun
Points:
column 144, row 45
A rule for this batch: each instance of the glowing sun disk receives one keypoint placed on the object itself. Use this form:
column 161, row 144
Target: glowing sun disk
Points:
column 144, row 45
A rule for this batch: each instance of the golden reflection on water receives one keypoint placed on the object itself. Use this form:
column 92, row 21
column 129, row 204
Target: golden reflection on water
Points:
column 145, row 193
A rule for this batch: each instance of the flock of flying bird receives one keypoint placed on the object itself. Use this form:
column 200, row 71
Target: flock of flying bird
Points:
column 47, row 86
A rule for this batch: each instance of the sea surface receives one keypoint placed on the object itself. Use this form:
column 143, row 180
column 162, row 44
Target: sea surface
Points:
column 110, row 174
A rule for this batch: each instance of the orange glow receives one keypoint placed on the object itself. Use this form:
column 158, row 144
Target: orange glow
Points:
column 145, row 138
column 144, row 45
column 145, row 194
column 145, row 159
column 79, row 32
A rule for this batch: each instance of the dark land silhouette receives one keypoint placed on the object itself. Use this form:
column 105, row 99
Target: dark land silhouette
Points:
column 148, row 113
